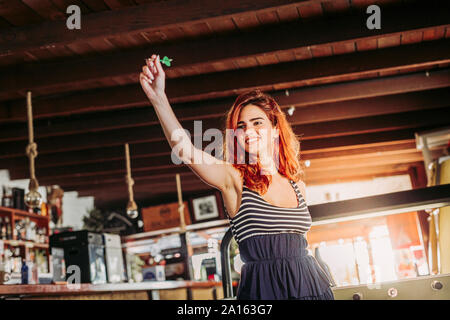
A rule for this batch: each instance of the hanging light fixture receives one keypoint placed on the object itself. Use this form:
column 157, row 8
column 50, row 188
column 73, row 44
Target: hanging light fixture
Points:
column 132, row 209
column 33, row 198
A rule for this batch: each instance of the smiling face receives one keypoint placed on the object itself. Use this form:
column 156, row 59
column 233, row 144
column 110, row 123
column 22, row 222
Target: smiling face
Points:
column 255, row 132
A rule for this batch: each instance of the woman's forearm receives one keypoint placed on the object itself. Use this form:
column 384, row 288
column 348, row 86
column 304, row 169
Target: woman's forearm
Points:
column 174, row 132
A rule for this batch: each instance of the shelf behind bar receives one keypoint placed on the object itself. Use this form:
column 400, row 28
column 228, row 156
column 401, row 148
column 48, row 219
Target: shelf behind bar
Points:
column 190, row 227
column 23, row 213
column 30, row 244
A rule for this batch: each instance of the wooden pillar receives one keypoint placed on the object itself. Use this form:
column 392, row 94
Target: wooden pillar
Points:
column 444, row 222
column 433, row 256
column 187, row 254
column 418, row 177
column 371, row 262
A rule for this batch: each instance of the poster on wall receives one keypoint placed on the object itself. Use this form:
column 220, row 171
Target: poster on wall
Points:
column 206, row 207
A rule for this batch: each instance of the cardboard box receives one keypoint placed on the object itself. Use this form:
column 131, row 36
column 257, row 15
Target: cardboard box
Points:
column 164, row 216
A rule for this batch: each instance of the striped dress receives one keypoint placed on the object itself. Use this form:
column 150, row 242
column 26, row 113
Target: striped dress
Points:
column 257, row 217
column 273, row 247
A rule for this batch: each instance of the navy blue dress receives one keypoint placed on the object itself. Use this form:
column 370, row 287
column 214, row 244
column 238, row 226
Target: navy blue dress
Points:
column 272, row 245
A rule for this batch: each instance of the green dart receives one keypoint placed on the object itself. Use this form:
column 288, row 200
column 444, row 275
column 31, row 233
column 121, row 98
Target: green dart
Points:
column 166, row 61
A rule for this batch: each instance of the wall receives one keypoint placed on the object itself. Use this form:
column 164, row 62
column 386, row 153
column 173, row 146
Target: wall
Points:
column 74, row 207
column 316, row 194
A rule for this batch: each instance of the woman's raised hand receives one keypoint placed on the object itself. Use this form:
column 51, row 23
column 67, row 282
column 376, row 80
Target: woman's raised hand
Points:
column 152, row 78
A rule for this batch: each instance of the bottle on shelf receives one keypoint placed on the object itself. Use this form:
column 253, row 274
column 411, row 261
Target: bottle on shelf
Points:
column 34, row 273
column 32, row 268
column 33, row 231
column 8, row 229
column 16, row 231
column 44, row 210
column 27, row 227
column 37, row 210
column 23, row 230
column 45, row 236
column 8, row 263
column 42, row 235
column 2, row 229
column 7, row 198
column 16, row 260
column 25, row 272
column 19, row 230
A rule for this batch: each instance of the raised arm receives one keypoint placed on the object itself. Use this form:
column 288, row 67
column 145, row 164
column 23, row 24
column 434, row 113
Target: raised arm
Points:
column 211, row 170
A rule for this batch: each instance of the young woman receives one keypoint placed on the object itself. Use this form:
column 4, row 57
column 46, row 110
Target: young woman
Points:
column 260, row 182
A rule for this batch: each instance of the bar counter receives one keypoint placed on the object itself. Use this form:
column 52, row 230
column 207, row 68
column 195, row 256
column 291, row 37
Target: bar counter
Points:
column 149, row 290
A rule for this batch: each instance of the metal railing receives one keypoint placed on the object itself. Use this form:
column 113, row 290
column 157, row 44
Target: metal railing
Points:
column 227, row 281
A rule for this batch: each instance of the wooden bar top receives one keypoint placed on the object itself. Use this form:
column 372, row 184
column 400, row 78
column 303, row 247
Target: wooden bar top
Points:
column 50, row 289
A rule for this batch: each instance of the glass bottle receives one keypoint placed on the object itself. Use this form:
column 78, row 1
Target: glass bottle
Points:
column 7, row 199
column 2, row 229
column 17, row 229
column 45, row 237
column 27, row 229
column 32, row 231
column 8, row 229
column 44, row 211
column 24, row 272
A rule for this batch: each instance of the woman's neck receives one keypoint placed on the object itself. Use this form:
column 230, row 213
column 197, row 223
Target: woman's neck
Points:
column 268, row 167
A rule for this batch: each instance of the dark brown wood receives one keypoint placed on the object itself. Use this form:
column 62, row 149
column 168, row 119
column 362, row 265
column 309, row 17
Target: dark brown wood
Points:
column 200, row 110
column 334, row 143
column 145, row 191
column 387, row 149
column 316, row 166
column 309, row 131
column 226, row 47
column 17, row 13
column 230, row 83
column 127, row 20
column 152, row 190
column 314, row 114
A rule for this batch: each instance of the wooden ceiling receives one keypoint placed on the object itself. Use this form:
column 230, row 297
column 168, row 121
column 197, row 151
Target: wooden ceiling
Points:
column 360, row 94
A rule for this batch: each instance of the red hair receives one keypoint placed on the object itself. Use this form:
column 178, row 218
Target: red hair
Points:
column 287, row 153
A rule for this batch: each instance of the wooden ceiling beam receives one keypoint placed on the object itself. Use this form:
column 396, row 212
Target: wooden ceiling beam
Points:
column 202, row 110
column 148, row 164
column 129, row 20
column 309, row 131
column 302, row 116
column 148, row 188
column 388, row 149
column 287, row 36
column 119, row 200
column 316, row 166
column 230, row 83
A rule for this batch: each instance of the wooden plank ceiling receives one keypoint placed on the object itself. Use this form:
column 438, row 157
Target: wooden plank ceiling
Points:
column 360, row 94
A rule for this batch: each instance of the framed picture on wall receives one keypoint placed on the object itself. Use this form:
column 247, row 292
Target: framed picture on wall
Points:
column 205, row 208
